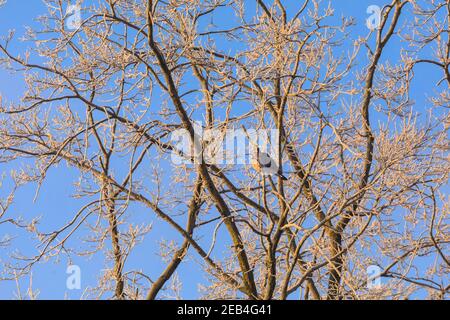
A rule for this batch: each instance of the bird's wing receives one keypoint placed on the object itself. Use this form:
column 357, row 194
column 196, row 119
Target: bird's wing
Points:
column 265, row 160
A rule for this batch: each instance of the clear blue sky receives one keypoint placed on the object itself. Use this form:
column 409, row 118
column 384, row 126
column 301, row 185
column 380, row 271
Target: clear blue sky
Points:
column 54, row 203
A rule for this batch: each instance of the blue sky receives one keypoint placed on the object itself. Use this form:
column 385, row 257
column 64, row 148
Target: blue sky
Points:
column 50, row 278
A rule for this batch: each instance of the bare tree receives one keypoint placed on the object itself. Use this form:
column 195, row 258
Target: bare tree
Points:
column 367, row 167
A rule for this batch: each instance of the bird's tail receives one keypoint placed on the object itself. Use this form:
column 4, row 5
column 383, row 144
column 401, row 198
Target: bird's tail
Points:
column 281, row 176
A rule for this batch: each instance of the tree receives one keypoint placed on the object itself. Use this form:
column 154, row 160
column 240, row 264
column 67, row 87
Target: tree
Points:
column 367, row 174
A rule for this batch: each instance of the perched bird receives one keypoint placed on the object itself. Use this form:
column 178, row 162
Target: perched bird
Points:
column 264, row 164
